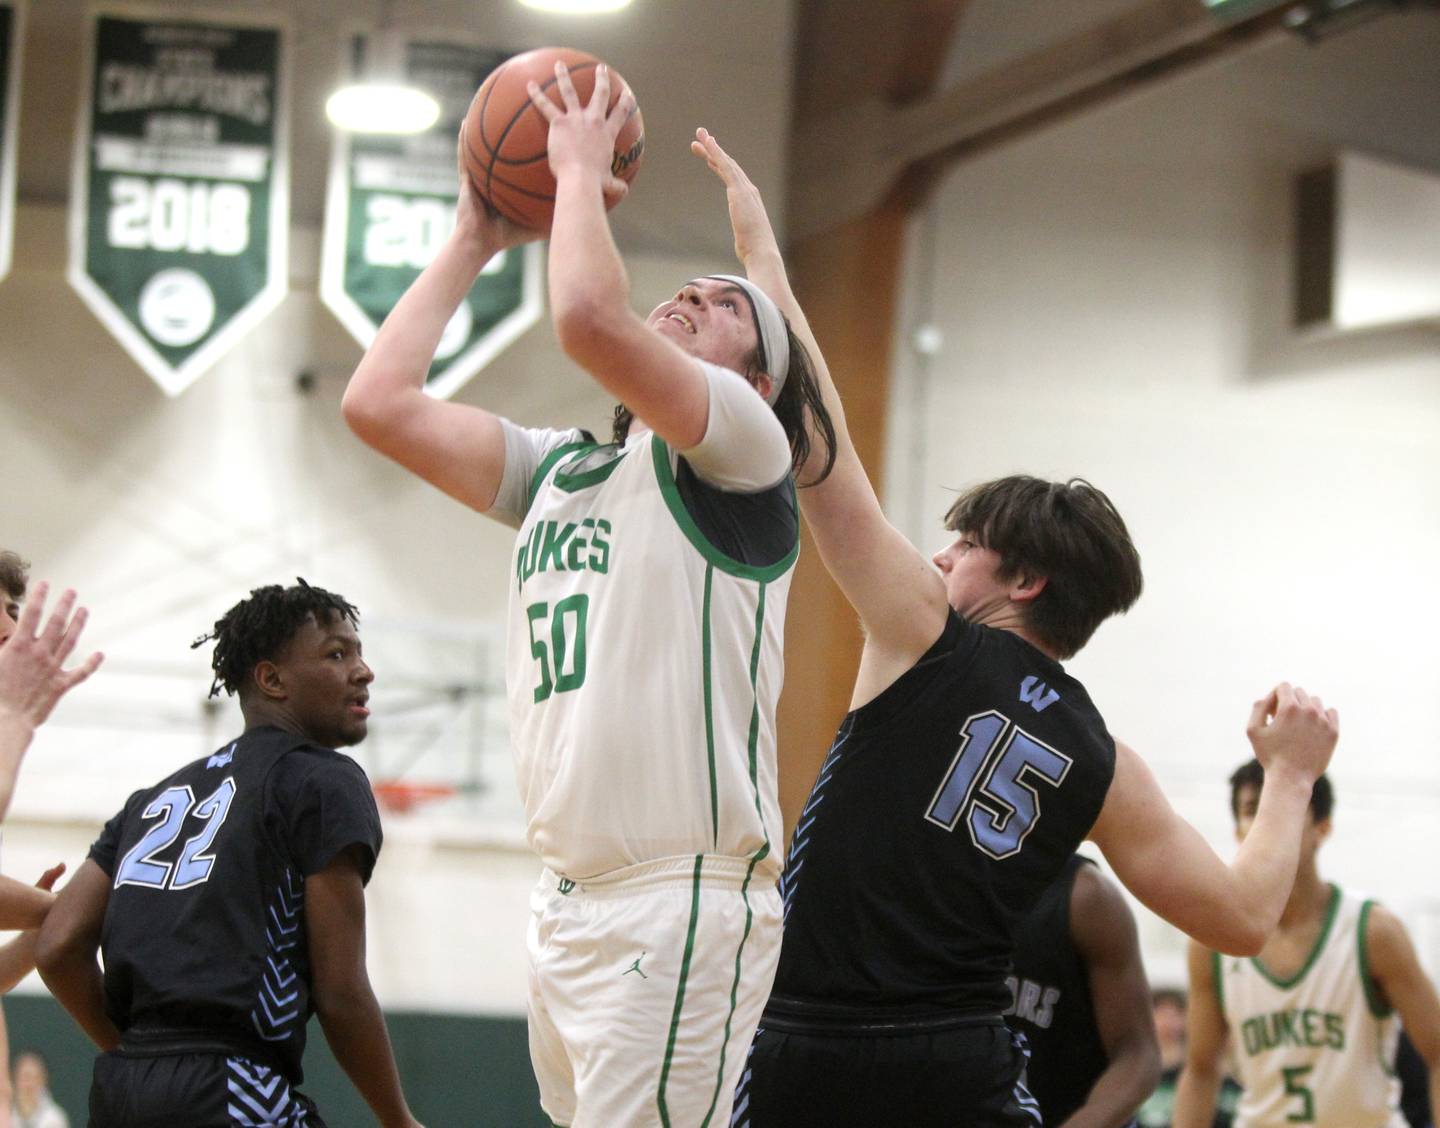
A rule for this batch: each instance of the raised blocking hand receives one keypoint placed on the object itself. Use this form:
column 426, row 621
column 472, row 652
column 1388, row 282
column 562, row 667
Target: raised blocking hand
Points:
column 32, row 661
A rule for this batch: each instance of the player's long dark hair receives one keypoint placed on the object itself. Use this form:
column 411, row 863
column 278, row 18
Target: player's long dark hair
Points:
column 257, row 628
column 799, row 398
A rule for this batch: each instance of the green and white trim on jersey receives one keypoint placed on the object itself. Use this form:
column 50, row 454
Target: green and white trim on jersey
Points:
column 605, row 715
column 1318, row 1046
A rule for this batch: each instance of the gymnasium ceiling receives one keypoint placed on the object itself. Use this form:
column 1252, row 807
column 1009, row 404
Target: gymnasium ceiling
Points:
column 833, row 97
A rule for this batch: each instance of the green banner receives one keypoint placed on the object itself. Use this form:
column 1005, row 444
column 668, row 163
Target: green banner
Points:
column 12, row 21
column 179, row 213
column 390, row 207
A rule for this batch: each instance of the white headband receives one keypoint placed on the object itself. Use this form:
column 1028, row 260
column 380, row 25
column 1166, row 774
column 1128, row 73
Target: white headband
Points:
column 774, row 338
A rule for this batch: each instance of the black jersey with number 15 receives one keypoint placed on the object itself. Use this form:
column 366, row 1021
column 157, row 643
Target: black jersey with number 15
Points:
column 204, row 932
column 945, row 807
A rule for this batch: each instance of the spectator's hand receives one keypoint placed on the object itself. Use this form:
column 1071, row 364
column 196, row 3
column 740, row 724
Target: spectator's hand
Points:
column 1291, row 729
column 32, row 673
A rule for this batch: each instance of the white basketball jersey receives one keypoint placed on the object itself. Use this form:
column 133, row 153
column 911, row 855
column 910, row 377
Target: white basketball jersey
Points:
column 643, row 670
column 1318, row 1048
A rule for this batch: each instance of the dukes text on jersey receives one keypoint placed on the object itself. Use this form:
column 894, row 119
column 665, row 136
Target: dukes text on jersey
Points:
column 569, row 546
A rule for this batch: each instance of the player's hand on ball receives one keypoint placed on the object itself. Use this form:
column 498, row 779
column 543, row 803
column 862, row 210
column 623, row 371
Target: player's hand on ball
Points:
column 475, row 219
column 748, row 219
column 1292, row 729
column 582, row 137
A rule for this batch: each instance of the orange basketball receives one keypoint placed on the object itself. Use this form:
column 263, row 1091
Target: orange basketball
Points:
column 503, row 137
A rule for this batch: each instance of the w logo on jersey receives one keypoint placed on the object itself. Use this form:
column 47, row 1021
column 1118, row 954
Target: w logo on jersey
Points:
column 1037, row 694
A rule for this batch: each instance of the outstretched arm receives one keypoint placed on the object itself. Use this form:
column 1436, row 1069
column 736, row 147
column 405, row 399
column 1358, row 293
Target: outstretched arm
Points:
column 458, row 448
column 348, row 1011
column 1204, row 1044
column 65, row 953
column 589, row 289
column 33, row 678
column 1402, row 983
column 1102, row 928
column 900, row 599
column 1166, row 862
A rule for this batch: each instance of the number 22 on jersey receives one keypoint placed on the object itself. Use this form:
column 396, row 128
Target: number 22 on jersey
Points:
column 1003, row 809
column 141, row 866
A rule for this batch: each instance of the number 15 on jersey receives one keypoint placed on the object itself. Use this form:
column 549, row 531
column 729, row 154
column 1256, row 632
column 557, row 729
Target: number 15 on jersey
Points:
column 989, row 783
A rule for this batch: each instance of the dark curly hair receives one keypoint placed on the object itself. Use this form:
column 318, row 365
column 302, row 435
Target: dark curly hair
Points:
column 258, row 628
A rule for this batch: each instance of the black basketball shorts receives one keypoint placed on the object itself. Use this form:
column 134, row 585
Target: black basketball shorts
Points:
column 972, row 1075
column 196, row 1090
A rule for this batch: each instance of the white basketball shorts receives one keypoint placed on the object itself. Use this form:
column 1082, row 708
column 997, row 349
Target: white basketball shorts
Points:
column 646, row 986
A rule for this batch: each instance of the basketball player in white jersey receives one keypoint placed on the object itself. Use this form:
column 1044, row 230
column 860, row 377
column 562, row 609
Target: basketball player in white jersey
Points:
column 647, row 603
column 1312, row 1021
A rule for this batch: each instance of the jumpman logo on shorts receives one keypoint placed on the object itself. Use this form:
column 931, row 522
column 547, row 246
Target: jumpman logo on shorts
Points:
column 635, row 967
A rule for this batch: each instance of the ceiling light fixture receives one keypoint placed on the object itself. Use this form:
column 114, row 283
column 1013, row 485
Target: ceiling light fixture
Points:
column 379, row 99
column 381, row 107
column 576, row 7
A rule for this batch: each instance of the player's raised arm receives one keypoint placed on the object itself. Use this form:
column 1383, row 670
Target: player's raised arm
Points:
column 899, row 597
column 458, row 448
column 589, row 289
column 33, row 678
column 1166, row 862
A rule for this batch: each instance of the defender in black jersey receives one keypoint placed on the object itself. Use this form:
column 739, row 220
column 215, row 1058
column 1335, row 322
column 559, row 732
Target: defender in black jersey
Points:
column 228, row 899
column 969, row 768
column 1079, row 995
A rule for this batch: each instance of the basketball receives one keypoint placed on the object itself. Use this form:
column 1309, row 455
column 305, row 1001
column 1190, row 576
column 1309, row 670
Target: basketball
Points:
column 503, row 137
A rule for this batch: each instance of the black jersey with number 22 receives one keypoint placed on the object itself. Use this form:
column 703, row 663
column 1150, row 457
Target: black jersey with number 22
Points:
column 944, row 808
column 205, row 931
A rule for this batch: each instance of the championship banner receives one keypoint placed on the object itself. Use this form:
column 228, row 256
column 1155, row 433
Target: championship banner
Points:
column 179, row 213
column 12, row 41
column 391, row 205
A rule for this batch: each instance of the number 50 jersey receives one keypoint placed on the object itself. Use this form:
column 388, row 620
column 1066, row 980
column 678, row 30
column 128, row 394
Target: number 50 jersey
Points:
column 945, row 807
column 643, row 663
column 204, row 933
